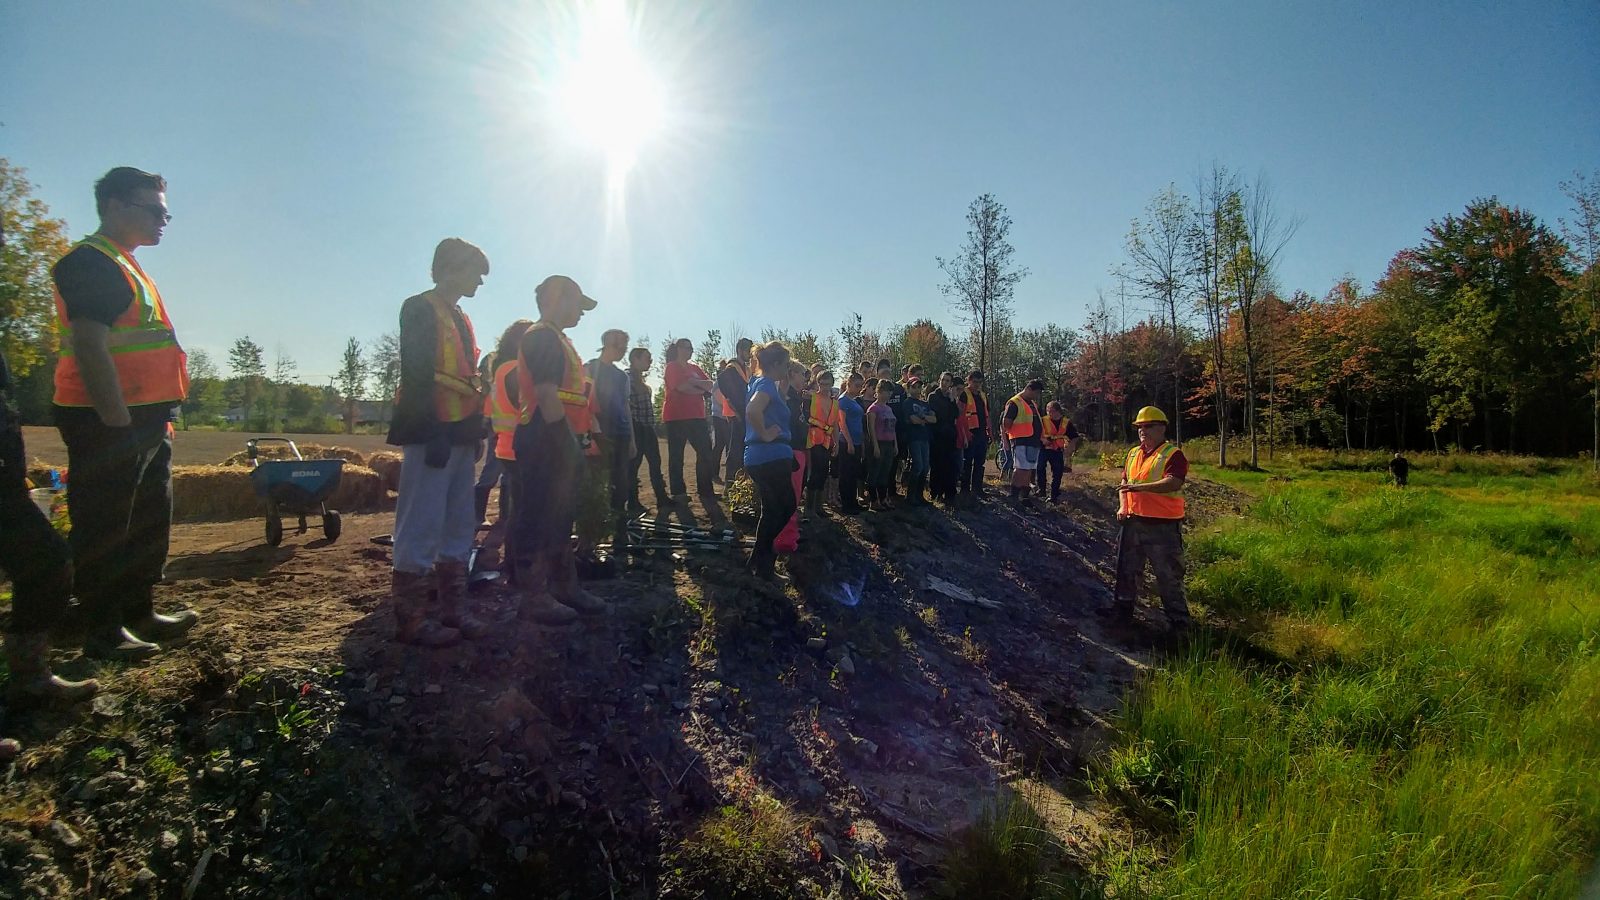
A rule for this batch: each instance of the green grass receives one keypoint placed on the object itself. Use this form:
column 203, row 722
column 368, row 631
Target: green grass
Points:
column 1407, row 703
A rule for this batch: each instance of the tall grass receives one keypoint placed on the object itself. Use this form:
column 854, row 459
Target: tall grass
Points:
column 1410, row 707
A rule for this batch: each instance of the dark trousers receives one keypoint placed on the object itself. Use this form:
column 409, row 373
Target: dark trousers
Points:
column 1056, row 462
column 694, row 433
column 120, row 498
column 1158, row 542
column 735, row 449
column 880, row 473
column 944, row 462
column 970, row 478
column 547, row 476
column 614, row 456
column 35, row 558
column 721, row 432
column 775, row 489
column 850, row 480
column 647, row 447
column 817, row 468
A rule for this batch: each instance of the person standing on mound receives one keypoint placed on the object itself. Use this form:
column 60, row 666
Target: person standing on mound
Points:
column 118, row 384
column 438, row 426
column 768, row 457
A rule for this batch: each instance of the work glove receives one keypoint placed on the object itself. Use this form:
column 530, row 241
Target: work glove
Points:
column 437, row 455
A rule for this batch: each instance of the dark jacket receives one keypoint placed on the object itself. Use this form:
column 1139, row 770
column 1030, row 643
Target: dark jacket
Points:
column 944, row 428
column 735, row 388
column 414, row 421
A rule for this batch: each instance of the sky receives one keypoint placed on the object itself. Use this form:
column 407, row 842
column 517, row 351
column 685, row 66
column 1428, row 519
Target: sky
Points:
column 811, row 159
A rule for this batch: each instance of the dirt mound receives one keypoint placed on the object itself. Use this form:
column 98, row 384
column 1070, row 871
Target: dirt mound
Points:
column 209, row 493
column 307, row 451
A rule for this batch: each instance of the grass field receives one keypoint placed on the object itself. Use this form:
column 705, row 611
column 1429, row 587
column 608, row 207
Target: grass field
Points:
column 1400, row 698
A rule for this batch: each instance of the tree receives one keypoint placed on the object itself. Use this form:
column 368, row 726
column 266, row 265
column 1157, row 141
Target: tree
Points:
column 383, row 359
column 708, row 355
column 352, row 381
column 1161, row 268
column 1261, row 236
column 205, row 389
column 982, row 279
column 1213, row 239
column 925, row 343
column 245, row 359
column 30, row 243
column 1582, row 305
column 283, row 371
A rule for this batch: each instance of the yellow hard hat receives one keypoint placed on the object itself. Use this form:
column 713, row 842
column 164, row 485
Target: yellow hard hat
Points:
column 1150, row 414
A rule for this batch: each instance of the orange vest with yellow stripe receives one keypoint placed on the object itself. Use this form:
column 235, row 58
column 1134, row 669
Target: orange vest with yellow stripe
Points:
column 1142, row 468
column 1054, row 433
column 573, row 390
column 455, row 372
column 1027, row 413
column 151, row 366
column 503, row 413
column 969, row 409
column 823, row 415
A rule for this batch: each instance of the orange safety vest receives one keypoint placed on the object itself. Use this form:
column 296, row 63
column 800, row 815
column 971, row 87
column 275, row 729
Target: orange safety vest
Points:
column 969, row 409
column 1147, row 469
column 573, row 390
column 455, row 374
column 1055, row 433
column 151, row 367
column 1022, row 425
column 744, row 378
column 824, row 418
column 502, row 412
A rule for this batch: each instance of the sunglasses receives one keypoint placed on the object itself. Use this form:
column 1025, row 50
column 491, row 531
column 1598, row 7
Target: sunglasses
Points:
column 155, row 209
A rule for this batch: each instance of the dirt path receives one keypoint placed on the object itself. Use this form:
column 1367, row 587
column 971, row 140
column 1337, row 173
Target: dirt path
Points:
column 589, row 759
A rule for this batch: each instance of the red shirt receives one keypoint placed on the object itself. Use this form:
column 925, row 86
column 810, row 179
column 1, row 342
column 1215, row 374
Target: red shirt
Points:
column 681, row 404
column 1178, row 464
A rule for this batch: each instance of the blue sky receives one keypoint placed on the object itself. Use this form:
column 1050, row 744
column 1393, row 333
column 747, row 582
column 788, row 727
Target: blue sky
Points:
column 814, row 160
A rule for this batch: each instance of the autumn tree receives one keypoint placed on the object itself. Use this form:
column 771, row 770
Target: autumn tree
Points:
column 1213, row 239
column 352, row 381
column 1161, row 268
column 981, row 280
column 1252, row 251
column 925, row 342
column 30, row 243
column 1582, row 307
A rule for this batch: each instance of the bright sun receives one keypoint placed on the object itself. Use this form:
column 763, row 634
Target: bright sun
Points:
column 606, row 95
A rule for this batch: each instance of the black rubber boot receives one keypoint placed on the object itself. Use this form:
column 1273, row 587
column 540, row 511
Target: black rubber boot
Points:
column 31, row 682
column 480, row 502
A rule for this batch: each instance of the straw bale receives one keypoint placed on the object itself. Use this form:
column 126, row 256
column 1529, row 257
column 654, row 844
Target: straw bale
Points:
column 225, row 492
column 39, row 472
column 307, row 451
column 387, row 464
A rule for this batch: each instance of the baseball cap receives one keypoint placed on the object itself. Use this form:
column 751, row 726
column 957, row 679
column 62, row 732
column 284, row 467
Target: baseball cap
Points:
column 560, row 284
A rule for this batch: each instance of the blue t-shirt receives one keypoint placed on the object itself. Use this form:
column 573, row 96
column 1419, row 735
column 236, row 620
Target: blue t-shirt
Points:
column 854, row 415
column 757, row 450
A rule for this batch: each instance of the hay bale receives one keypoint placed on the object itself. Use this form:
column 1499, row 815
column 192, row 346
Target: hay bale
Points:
column 201, row 493
column 307, row 451
column 39, row 472
column 387, row 464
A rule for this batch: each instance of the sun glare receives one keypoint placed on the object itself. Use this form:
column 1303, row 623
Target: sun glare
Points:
column 607, row 96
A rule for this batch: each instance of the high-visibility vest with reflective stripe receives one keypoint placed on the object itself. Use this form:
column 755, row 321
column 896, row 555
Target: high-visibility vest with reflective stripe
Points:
column 1142, row 468
column 1022, row 425
column 455, row 374
column 572, row 391
column 1055, row 432
column 969, row 409
column 728, row 411
column 502, row 412
column 151, row 367
column 823, row 416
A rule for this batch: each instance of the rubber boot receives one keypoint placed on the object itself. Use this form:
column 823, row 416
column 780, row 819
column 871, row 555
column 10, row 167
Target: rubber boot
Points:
column 115, row 644
column 450, row 583
column 537, row 606
column 31, row 682
column 566, row 590
column 814, row 500
column 409, row 591
column 141, row 619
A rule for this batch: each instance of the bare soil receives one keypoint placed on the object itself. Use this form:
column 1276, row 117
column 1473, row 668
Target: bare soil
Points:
column 291, row 748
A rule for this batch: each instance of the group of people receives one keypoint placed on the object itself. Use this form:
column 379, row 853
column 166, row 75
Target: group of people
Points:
column 545, row 420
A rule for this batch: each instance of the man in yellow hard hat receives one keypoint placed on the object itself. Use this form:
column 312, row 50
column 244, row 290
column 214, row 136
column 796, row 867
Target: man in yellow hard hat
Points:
column 1151, row 511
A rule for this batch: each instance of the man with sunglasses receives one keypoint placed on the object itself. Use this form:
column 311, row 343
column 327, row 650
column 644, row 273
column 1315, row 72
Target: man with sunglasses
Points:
column 118, row 384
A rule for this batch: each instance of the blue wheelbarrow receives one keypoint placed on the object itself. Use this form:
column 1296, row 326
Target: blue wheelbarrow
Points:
column 297, row 487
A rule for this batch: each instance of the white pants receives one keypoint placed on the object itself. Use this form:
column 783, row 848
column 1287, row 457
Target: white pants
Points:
column 434, row 518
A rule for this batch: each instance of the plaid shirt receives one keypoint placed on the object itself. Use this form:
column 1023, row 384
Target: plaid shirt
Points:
column 641, row 400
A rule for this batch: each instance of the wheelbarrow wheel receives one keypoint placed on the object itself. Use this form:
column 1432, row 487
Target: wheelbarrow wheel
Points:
column 332, row 525
column 274, row 530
